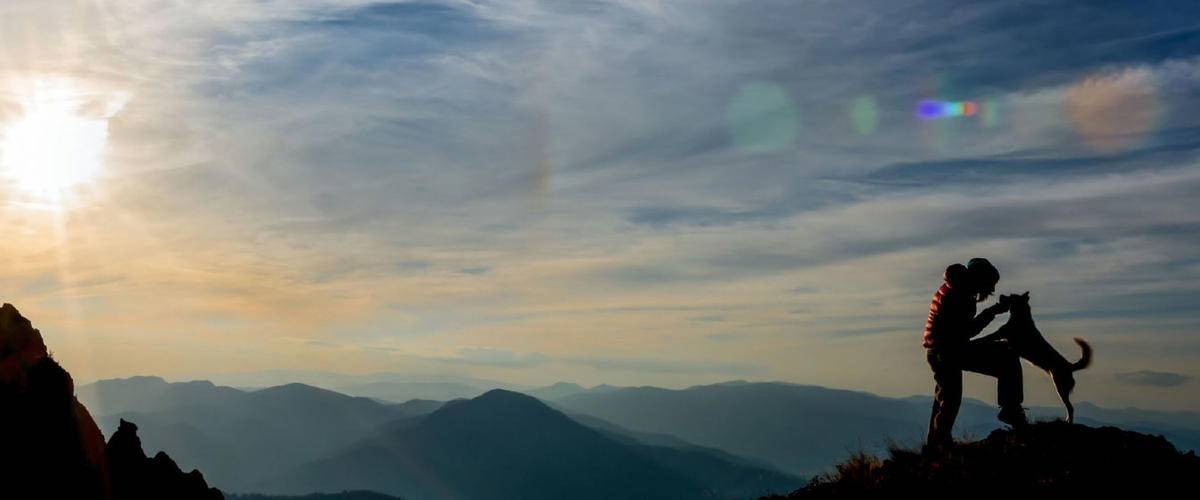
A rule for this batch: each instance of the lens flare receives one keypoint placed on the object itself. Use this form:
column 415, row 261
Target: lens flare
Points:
column 930, row 109
column 762, row 118
column 990, row 113
column 864, row 115
column 1116, row 111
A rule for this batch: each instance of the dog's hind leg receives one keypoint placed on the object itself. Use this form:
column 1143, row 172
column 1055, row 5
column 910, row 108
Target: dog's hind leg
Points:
column 1064, row 383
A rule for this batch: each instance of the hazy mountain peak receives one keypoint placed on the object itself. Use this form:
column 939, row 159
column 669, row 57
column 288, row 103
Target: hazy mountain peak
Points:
column 297, row 388
column 498, row 403
column 731, row 383
column 198, row 383
column 136, row 379
column 503, row 445
column 556, row 391
column 502, row 393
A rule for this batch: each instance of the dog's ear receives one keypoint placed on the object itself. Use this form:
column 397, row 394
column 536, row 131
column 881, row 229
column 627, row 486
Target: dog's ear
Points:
column 1026, row 294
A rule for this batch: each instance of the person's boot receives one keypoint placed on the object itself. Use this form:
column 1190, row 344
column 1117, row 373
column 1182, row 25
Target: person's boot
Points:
column 1014, row 416
column 936, row 448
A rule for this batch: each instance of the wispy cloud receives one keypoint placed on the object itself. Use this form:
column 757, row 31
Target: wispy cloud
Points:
column 669, row 366
column 1147, row 378
column 566, row 179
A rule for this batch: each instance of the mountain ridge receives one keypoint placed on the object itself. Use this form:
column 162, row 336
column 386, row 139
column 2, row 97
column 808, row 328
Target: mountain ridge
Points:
column 184, row 429
column 507, row 445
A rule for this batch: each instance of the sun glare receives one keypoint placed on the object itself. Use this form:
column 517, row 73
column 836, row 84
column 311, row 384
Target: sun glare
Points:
column 56, row 142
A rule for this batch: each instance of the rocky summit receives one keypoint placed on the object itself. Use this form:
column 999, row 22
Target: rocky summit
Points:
column 52, row 446
column 1042, row 460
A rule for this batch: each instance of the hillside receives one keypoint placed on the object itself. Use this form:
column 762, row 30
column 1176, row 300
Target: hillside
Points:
column 805, row 429
column 505, row 445
column 796, row 428
column 1049, row 458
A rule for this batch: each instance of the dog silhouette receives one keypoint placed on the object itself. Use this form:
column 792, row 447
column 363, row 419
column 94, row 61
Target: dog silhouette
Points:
column 1028, row 342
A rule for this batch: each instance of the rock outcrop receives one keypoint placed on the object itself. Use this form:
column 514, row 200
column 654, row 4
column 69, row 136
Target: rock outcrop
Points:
column 1043, row 460
column 52, row 446
column 138, row 477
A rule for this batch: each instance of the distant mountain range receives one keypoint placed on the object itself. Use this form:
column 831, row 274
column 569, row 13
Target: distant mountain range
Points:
column 395, row 387
column 303, row 439
column 387, row 387
column 236, row 437
column 806, row 429
column 730, row 437
column 506, row 445
column 800, row 429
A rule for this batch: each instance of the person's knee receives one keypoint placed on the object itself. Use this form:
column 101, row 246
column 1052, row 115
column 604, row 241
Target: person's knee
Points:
column 1007, row 360
column 952, row 400
column 949, row 396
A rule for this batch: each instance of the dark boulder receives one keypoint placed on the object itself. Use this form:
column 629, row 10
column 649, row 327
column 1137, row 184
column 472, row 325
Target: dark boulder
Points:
column 52, row 446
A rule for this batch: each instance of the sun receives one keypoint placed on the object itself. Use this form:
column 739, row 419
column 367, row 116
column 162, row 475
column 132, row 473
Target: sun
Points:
column 52, row 146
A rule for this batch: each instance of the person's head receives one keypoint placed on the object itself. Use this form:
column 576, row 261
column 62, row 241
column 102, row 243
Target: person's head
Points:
column 982, row 278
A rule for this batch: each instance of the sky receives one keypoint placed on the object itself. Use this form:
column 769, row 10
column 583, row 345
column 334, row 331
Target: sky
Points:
column 632, row 192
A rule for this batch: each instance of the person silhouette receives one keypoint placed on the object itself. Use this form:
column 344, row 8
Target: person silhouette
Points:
column 949, row 349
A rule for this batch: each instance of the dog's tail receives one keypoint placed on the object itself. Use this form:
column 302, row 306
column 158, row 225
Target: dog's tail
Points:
column 1086, row 360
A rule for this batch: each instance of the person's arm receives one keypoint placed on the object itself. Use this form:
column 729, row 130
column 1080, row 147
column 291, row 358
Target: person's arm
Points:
column 959, row 315
column 976, row 325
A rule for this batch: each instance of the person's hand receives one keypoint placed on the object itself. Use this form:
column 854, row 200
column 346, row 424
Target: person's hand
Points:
column 998, row 308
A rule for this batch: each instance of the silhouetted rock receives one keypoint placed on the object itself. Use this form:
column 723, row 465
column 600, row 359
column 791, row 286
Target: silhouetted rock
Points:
column 52, row 447
column 1044, row 459
column 137, row 477
column 239, row 437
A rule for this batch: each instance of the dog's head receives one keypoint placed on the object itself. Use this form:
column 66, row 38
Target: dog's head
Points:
column 1018, row 303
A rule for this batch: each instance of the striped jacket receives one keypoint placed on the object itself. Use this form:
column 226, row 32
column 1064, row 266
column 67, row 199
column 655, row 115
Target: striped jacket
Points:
column 952, row 320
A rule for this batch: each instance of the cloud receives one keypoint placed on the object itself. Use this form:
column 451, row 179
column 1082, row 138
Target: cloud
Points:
column 338, row 170
column 498, row 357
column 412, row 265
column 1148, row 378
column 724, row 336
column 321, row 343
column 667, row 366
column 697, row 216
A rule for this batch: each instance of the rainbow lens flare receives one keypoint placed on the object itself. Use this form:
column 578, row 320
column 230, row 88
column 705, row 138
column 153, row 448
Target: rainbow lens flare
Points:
column 930, row 109
column 1115, row 111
